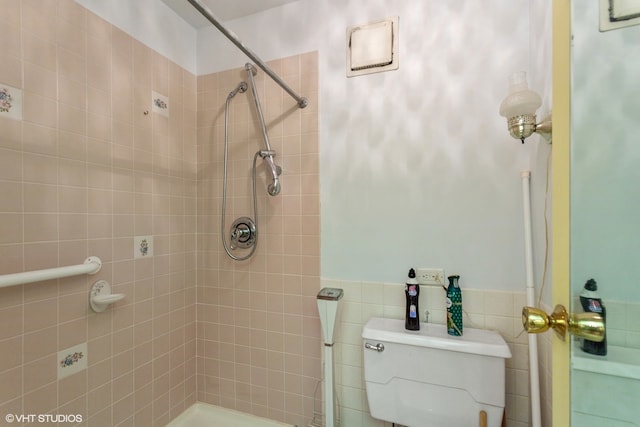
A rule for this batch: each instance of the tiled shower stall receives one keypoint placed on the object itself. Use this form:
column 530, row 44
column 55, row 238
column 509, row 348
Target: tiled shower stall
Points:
column 258, row 325
column 91, row 165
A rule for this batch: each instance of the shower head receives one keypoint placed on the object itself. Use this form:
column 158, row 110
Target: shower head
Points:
column 267, row 155
column 242, row 87
column 274, row 188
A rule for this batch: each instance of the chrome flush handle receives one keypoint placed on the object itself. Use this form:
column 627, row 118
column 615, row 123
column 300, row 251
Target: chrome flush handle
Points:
column 378, row 347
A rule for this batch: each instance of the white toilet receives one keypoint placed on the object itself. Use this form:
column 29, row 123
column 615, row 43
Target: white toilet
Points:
column 427, row 378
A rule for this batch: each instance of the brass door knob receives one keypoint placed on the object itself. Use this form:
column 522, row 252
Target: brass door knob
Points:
column 586, row 325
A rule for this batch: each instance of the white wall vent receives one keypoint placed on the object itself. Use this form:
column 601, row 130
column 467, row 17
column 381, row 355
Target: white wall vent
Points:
column 373, row 47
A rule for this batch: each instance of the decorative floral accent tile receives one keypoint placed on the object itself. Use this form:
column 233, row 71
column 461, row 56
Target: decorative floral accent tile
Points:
column 10, row 102
column 143, row 246
column 72, row 360
column 159, row 104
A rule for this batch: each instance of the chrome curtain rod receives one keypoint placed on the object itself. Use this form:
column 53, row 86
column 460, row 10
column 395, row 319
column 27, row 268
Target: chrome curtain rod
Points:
column 204, row 10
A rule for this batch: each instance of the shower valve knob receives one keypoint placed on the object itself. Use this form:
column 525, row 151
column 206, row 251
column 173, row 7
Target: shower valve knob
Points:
column 243, row 233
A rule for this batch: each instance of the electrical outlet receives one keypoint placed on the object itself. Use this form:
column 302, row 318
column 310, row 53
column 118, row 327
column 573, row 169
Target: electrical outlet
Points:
column 430, row 276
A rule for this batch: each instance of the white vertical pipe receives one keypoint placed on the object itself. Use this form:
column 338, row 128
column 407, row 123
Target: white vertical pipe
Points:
column 534, row 379
column 329, row 412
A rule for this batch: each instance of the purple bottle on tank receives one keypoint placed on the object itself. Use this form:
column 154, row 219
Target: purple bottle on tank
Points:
column 412, row 291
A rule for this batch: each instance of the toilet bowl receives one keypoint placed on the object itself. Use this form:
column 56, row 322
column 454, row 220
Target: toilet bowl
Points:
column 427, row 378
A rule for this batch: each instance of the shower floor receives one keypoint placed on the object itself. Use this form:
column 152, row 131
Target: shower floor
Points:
column 205, row 415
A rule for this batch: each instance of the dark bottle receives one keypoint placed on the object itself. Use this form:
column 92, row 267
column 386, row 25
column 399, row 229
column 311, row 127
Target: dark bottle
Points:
column 412, row 291
column 591, row 302
column 454, row 307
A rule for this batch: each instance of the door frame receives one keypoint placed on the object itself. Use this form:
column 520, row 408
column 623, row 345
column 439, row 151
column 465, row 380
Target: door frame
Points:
column 560, row 210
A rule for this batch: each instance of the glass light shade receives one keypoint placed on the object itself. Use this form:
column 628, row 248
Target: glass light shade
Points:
column 520, row 99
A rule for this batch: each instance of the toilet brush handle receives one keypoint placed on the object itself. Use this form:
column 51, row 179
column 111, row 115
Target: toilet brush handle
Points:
column 483, row 419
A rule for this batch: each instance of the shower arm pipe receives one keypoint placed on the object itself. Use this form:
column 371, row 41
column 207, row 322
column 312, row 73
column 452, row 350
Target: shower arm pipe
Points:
column 266, row 154
column 251, row 71
column 206, row 12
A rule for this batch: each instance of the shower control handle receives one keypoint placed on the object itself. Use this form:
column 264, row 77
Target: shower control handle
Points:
column 378, row 347
column 243, row 233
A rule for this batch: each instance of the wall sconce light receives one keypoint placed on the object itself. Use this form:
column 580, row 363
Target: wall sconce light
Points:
column 519, row 107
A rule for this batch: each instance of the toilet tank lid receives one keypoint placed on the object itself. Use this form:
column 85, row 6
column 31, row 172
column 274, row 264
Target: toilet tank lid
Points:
column 474, row 341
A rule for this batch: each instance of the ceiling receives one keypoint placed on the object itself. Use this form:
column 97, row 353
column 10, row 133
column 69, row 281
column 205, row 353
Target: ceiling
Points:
column 224, row 10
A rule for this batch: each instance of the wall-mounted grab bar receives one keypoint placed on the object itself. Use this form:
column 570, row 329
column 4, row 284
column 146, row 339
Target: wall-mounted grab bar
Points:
column 91, row 265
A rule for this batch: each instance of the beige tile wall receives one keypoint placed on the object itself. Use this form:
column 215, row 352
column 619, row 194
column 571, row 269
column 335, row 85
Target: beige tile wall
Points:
column 258, row 326
column 494, row 310
column 82, row 174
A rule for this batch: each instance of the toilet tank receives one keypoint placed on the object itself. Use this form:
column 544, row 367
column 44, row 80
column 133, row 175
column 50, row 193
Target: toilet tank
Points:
column 428, row 378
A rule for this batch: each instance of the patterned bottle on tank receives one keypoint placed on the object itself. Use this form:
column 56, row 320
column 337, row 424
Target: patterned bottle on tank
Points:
column 454, row 307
